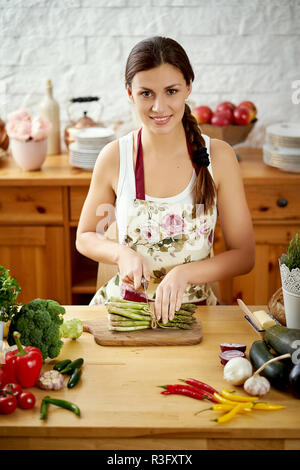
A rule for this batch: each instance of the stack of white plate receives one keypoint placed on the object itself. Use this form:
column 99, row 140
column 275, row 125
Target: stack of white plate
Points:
column 282, row 148
column 89, row 141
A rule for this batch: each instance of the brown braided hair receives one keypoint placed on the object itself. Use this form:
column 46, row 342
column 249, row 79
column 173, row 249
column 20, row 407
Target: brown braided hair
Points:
column 153, row 52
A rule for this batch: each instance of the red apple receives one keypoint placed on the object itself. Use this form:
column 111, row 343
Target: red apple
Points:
column 242, row 115
column 225, row 105
column 227, row 112
column 203, row 114
column 251, row 106
column 220, row 119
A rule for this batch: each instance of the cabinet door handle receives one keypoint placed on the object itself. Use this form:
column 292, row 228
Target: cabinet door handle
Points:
column 282, row 202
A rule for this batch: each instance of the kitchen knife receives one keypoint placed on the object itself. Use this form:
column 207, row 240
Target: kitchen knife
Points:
column 151, row 306
column 248, row 312
column 144, row 284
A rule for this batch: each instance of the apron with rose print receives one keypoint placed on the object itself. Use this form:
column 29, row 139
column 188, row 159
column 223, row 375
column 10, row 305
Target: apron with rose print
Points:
column 166, row 235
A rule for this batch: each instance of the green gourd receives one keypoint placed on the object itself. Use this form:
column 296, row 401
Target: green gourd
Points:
column 282, row 339
column 277, row 372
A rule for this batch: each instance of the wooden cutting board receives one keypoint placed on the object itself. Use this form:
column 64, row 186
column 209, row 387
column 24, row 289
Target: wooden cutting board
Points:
column 154, row 337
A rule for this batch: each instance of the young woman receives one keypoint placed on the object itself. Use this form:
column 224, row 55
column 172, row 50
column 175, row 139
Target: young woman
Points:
column 168, row 183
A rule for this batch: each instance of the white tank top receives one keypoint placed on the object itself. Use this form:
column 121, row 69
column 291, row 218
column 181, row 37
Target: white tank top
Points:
column 126, row 191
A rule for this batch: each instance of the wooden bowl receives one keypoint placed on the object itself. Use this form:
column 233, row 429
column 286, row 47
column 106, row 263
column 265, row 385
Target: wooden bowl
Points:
column 232, row 134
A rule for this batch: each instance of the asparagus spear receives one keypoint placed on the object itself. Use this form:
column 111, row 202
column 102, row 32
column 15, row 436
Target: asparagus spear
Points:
column 127, row 313
column 183, row 326
column 127, row 328
column 128, row 303
column 130, row 323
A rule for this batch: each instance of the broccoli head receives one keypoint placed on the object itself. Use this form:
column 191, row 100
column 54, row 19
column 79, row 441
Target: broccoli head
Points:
column 39, row 322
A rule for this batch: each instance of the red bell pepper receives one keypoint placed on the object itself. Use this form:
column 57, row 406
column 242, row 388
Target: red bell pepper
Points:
column 23, row 365
column 3, row 377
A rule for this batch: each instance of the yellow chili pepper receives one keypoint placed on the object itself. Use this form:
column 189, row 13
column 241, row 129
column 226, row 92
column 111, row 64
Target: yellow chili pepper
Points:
column 267, row 406
column 228, row 406
column 228, row 416
column 221, row 399
column 239, row 398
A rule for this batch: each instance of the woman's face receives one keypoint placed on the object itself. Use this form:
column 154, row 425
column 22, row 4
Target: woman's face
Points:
column 159, row 95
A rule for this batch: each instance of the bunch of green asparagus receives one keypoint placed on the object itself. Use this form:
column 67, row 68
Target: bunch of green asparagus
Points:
column 125, row 315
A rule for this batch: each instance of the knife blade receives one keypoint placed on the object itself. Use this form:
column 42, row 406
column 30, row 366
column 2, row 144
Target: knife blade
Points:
column 150, row 305
column 144, row 284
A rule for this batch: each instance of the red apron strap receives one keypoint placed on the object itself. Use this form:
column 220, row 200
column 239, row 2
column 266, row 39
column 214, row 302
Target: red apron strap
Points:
column 139, row 169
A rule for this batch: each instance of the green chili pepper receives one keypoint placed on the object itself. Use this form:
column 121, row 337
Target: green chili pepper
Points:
column 44, row 409
column 61, row 365
column 69, row 369
column 63, row 404
column 74, row 379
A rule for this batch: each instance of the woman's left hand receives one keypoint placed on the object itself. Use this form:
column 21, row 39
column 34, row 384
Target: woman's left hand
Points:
column 170, row 292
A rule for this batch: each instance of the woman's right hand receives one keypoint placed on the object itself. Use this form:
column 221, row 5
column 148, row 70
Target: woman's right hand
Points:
column 132, row 267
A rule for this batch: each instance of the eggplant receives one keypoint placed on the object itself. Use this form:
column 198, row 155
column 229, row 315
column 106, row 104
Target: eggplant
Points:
column 294, row 379
column 277, row 372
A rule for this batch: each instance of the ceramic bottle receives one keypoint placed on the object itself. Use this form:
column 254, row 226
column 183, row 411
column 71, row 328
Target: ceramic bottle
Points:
column 49, row 109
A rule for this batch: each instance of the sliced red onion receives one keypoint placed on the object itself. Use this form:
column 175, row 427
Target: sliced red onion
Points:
column 230, row 354
column 231, row 346
column 128, row 292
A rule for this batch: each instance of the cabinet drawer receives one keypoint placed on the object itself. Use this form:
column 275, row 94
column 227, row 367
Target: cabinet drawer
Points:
column 77, row 198
column 31, row 205
column 279, row 202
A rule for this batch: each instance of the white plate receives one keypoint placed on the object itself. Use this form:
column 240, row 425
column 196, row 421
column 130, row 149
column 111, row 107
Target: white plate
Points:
column 285, row 129
column 94, row 133
column 292, row 153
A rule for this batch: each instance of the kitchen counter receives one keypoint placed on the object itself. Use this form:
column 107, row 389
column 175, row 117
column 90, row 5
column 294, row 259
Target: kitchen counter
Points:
column 122, row 408
column 57, row 171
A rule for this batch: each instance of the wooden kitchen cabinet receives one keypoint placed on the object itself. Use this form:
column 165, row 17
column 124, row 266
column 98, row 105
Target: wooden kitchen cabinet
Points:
column 39, row 213
column 34, row 254
column 32, row 240
column 274, row 203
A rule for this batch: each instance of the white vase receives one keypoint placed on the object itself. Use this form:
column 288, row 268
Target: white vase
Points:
column 290, row 281
column 29, row 155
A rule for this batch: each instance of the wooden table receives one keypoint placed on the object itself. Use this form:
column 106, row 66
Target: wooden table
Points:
column 122, row 407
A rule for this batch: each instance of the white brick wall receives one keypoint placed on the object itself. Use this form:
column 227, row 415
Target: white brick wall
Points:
column 239, row 50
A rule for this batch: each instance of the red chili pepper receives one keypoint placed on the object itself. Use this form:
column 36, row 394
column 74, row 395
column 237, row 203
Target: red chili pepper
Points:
column 23, row 365
column 201, row 385
column 189, row 391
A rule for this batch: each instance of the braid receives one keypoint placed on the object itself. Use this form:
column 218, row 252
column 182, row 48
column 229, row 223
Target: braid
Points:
column 205, row 186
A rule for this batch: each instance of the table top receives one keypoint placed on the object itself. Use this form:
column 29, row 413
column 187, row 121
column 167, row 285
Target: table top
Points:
column 57, row 170
column 119, row 395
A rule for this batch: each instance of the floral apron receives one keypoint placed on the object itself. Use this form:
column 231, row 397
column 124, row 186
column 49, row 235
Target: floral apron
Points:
column 166, row 235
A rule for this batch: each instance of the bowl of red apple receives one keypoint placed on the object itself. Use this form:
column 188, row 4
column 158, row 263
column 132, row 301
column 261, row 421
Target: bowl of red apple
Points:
column 228, row 121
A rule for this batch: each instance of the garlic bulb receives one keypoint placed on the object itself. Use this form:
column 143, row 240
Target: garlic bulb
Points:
column 51, row 380
column 237, row 370
column 257, row 385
